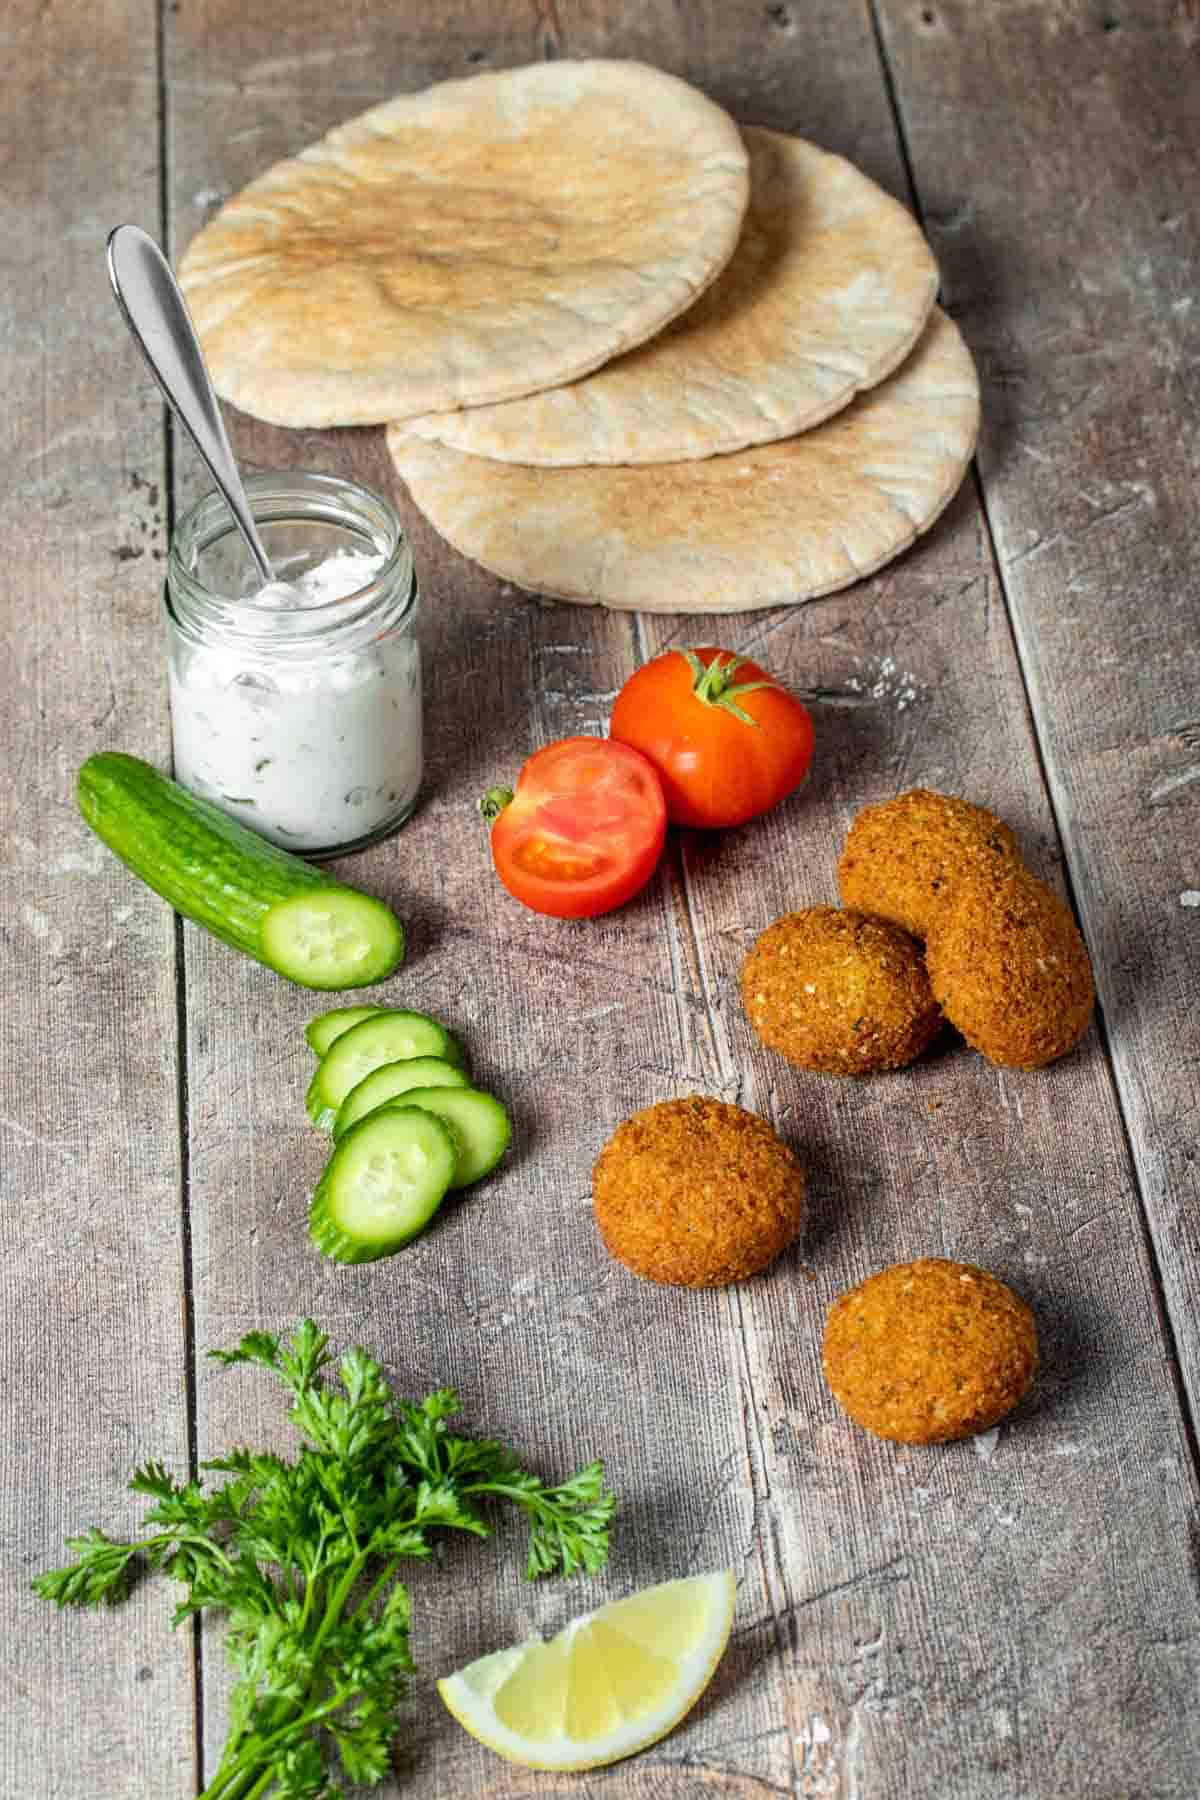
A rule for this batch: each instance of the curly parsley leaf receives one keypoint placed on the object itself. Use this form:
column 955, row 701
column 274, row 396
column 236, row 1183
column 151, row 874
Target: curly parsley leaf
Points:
column 301, row 1557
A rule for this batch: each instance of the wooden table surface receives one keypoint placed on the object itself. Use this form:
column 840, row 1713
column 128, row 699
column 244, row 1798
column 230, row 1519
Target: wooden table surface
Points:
column 1012, row 1616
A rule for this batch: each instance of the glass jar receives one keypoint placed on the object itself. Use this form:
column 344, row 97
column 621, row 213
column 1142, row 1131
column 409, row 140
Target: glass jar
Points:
column 297, row 713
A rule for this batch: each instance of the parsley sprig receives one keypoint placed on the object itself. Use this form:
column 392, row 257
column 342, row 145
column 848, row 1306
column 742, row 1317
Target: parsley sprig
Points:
column 302, row 1557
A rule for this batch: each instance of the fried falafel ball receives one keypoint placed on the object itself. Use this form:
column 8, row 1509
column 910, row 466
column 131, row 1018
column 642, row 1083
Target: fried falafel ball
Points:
column 928, row 1351
column 1010, row 969
column 697, row 1193
column 903, row 859
column 839, row 993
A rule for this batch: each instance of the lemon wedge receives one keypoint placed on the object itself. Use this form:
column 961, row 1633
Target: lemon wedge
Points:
column 610, row 1683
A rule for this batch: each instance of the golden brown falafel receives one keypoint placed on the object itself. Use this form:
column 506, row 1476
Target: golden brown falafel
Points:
column 929, row 1350
column 1010, row 969
column 839, row 993
column 902, row 859
column 697, row 1193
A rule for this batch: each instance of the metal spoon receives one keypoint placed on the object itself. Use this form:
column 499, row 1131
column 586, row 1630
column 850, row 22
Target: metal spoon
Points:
column 157, row 315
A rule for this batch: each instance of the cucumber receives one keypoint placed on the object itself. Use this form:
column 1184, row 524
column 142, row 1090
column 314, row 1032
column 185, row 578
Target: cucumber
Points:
column 478, row 1121
column 383, row 1183
column 390, row 1079
column 327, row 1027
column 387, row 1037
column 223, row 876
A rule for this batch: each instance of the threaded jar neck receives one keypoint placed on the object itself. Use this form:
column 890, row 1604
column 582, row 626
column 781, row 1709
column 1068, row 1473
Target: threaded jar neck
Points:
column 303, row 518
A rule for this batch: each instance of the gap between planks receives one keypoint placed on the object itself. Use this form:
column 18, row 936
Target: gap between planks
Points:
column 190, row 1387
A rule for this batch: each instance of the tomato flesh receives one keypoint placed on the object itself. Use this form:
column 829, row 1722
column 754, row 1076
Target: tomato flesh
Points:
column 721, row 759
column 584, row 829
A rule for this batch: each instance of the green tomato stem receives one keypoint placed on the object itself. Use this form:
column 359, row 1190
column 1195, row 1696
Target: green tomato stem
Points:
column 494, row 803
column 713, row 685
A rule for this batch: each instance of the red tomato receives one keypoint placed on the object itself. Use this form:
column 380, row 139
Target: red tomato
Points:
column 728, row 742
column 584, row 829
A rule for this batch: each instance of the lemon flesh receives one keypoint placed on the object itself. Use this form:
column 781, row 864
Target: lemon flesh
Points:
column 610, row 1683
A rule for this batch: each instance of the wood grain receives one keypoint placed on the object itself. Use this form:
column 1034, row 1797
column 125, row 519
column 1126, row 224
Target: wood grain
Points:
column 1078, row 284
column 1014, row 1616
column 932, row 1645
column 848, row 1550
column 510, row 1296
column 93, row 1370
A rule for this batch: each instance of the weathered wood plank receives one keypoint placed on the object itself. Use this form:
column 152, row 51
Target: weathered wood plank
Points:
column 510, row 1296
column 1077, row 281
column 94, row 1361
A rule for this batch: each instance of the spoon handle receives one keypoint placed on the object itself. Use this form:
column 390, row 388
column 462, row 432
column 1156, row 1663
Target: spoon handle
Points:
column 157, row 315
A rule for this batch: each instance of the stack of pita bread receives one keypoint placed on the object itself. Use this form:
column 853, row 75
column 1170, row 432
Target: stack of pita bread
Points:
column 625, row 352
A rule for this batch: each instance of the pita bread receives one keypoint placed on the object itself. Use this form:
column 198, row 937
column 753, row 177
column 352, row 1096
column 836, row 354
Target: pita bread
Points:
column 784, row 522
column 828, row 290
column 478, row 240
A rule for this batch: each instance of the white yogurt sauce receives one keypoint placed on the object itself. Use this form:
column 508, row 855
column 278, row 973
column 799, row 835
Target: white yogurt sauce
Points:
column 313, row 751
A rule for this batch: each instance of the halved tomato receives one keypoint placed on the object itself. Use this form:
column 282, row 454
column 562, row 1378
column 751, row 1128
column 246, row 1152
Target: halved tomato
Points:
column 582, row 832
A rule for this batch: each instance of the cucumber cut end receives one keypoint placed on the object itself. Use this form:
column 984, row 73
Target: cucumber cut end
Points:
column 332, row 938
column 382, row 1185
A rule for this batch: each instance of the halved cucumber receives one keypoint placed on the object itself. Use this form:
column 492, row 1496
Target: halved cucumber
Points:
column 220, row 874
column 322, row 1031
column 383, row 1183
column 386, row 1037
column 391, row 1079
column 478, row 1121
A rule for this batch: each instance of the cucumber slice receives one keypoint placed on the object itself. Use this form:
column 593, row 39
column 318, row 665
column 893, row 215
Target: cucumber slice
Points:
column 322, row 1031
column 387, row 1037
column 333, row 938
column 383, row 1183
column 390, row 1079
column 478, row 1121
column 221, row 875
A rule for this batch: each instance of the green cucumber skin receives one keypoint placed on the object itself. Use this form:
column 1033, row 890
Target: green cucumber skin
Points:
column 321, row 1115
column 211, row 868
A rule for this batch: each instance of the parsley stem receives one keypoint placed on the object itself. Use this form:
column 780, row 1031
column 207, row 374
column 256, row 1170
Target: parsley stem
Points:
column 333, row 1609
column 252, row 1750
column 312, row 1580
column 375, row 1588
column 220, row 1788
column 261, row 1778
column 249, row 1761
column 197, row 1540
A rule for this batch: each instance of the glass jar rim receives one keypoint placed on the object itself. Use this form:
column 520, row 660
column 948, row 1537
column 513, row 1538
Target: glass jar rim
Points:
column 295, row 495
